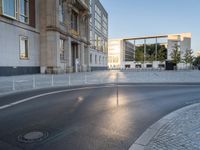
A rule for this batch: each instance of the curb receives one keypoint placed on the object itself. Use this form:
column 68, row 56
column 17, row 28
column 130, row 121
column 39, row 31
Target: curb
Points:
column 149, row 134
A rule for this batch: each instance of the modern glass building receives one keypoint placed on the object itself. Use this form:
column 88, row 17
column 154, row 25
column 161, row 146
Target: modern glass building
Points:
column 147, row 51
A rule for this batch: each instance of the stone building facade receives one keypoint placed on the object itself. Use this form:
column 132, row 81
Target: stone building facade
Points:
column 98, row 36
column 44, row 36
column 64, row 35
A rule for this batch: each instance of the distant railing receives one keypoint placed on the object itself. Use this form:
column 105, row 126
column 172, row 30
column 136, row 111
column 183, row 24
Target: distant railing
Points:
column 30, row 82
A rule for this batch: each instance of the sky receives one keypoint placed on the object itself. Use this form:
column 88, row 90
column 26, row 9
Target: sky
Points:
column 151, row 17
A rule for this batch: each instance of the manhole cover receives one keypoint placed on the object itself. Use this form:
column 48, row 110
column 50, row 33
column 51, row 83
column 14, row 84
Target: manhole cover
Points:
column 32, row 137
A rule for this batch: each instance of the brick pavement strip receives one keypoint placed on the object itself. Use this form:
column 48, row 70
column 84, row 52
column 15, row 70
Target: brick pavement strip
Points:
column 179, row 130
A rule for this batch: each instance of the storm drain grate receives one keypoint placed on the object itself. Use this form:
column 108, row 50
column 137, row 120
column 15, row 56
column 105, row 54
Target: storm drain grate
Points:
column 32, row 137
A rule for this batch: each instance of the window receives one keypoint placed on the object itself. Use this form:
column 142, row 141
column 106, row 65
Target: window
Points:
column 98, row 18
column 9, row 8
column 95, row 59
column 98, row 42
column 16, row 9
column 74, row 20
column 99, row 59
column 61, row 11
column 62, row 50
column 24, row 11
column 23, row 47
column 90, row 58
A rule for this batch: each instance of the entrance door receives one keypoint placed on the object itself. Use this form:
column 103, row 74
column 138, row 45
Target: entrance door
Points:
column 74, row 55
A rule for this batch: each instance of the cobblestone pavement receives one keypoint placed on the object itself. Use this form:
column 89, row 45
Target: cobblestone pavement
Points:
column 181, row 133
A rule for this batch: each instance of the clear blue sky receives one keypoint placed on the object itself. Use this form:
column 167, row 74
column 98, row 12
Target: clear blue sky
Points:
column 149, row 17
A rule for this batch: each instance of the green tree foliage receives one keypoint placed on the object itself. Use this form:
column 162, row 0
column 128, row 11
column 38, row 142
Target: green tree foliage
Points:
column 139, row 55
column 176, row 55
column 196, row 61
column 188, row 56
column 162, row 53
column 151, row 53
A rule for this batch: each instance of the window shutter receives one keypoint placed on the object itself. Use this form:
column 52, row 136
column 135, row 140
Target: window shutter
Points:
column 32, row 13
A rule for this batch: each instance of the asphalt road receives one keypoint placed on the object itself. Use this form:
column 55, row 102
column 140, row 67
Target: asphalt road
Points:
column 89, row 118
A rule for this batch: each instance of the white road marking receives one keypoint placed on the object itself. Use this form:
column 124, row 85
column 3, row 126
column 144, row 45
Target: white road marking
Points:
column 76, row 89
column 49, row 93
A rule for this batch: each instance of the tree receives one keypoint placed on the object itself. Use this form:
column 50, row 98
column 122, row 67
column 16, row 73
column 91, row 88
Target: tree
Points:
column 188, row 56
column 162, row 54
column 150, row 57
column 196, row 61
column 176, row 55
column 139, row 55
column 151, row 52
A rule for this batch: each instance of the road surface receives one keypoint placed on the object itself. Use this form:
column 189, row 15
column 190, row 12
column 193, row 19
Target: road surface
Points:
column 102, row 117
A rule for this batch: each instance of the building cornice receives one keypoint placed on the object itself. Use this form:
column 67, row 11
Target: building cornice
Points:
column 56, row 29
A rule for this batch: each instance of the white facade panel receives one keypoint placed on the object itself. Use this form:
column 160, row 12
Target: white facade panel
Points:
column 10, row 46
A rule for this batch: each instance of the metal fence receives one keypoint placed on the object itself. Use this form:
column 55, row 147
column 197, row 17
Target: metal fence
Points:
column 28, row 82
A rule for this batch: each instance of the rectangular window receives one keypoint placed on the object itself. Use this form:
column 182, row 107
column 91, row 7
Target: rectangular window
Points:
column 91, row 58
column 24, row 11
column 62, row 50
column 61, row 11
column 95, row 59
column 74, row 21
column 9, row 8
column 16, row 9
column 23, row 47
column 99, row 59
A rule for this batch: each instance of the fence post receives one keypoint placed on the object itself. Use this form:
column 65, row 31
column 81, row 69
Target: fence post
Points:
column 13, row 84
column 117, row 78
column 34, row 85
column 52, row 80
column 85, row 78
column 69, row 78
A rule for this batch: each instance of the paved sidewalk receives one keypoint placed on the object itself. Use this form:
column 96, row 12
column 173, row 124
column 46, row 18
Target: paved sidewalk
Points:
column 178, row 131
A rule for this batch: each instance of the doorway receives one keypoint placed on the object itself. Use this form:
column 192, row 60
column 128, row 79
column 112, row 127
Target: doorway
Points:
column 75, row 55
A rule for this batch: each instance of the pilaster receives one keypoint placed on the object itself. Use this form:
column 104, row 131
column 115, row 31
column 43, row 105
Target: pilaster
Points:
column 68, row 48
column 82, row 57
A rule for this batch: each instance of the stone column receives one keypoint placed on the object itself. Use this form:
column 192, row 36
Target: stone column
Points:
column 49, row 37
column 79, row 56
column 86, row 57
column 69, row 54
column 82, row 54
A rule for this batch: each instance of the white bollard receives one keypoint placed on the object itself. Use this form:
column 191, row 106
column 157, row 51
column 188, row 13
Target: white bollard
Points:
column 52, row 81
column 69, row 80
column 13, row 84
column 85, row 78
column 34, row 84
